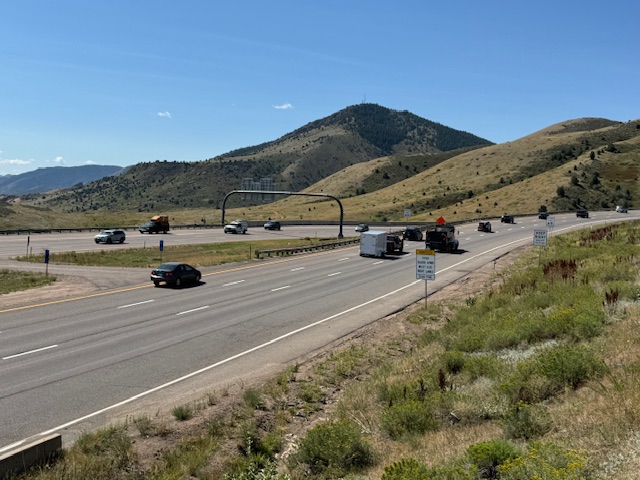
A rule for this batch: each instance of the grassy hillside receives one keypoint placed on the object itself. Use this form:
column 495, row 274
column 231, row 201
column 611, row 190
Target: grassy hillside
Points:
column 592, row 163
column 517, row 177
column 295, row 161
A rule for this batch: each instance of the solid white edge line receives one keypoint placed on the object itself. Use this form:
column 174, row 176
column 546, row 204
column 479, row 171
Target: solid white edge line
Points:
column 246, row 352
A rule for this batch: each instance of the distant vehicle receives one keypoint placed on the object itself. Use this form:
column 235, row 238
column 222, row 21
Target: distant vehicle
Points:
column 543, row 215
column 442, row 237
column 621, row 209
column 412, row 233
column 175, row 274
column 110, row 236
column 507, row 219
column 157, row 224
column 362, row 227
column 373, row 243
column 582, row 213
column 237, row 226
column 484, row 226
column 272, row 225
column 394, row 243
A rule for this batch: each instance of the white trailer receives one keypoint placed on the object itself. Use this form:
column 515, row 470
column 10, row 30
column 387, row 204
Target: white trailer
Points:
column 373, row 243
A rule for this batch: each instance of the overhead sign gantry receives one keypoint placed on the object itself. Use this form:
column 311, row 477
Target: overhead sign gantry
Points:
column 276, row 192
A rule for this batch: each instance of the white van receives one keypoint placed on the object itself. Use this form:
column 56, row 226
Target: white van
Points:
column 237, row 226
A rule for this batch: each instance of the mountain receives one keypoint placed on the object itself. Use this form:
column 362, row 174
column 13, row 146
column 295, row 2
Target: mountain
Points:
column 591, row 163
column 52, row 178
column 293, row 162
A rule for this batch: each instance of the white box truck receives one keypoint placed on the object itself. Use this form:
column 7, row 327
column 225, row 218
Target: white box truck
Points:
column 373, row 243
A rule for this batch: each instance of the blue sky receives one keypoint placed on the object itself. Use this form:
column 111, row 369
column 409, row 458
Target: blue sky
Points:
column 121, row 82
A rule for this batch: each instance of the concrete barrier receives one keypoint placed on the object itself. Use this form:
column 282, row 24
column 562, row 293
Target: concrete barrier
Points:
column 15, row 462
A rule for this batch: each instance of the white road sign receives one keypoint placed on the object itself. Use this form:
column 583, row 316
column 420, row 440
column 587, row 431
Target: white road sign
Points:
column 551, row 221
column 425, row 264
column 540, row 238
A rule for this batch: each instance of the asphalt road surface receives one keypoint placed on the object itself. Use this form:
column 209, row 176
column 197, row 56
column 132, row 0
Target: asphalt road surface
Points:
column 78, row 364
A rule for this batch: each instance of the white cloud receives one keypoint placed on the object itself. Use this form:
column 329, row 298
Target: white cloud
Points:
column 59, row 160
column 14, row 161
column 90, row 162
column 164, row 114
column 284, row 106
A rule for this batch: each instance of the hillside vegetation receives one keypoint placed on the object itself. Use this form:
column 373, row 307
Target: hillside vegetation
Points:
column 295, row 161
column 564, row 167
column 588, row 163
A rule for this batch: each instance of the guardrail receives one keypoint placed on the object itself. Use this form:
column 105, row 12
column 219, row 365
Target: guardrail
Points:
column 309, row 248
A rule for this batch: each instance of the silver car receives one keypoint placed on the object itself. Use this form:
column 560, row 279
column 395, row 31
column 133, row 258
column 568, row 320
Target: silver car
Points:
column 110, row 236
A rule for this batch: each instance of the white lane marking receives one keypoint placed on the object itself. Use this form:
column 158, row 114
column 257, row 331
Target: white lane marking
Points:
column 29, row 352
column 343, row 259
column 232, row 283
column 251, row 350
column 135, row 304
column 378, row 262
column 280, row 288
column 332, row 274
column 212, row 366
column 193, row 310
column 296, row 269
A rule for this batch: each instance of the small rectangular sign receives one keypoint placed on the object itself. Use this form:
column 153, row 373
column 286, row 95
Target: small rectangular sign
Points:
column 540, row 238
column 425, row 264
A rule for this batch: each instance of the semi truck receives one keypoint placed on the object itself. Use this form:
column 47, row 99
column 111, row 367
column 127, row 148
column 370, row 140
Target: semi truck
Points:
column 157, row 224
column 441, row 237
column 377, row 243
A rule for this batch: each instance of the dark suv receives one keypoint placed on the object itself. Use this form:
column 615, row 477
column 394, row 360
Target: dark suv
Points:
column 507, row 219
column 412, row 233
column 582, row 213
column 272, row 225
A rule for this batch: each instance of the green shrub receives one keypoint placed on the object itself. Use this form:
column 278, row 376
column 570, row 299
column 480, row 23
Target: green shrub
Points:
column 412, row 417
column 453, row 361
column 550, row 371
column 547, row 461
column 487, row 456
column 182, row 412
column 569, row 366
column 253, row 399
column 331, row 450
column 405, row 469
column 527, row 421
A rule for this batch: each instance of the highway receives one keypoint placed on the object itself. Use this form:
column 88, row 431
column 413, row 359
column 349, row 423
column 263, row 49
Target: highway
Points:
column 82, row 363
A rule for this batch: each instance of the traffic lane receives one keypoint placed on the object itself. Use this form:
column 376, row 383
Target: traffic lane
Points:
column 19, row 245
column 61, row 324
column 209, row 335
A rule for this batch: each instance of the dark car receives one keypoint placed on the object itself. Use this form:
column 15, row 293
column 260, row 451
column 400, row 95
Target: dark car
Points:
column 582, row 213
column 272, row 225
column 543, row 215
column 412, row 233
column 484, row 226
column 175, row 274
column 507, row 219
